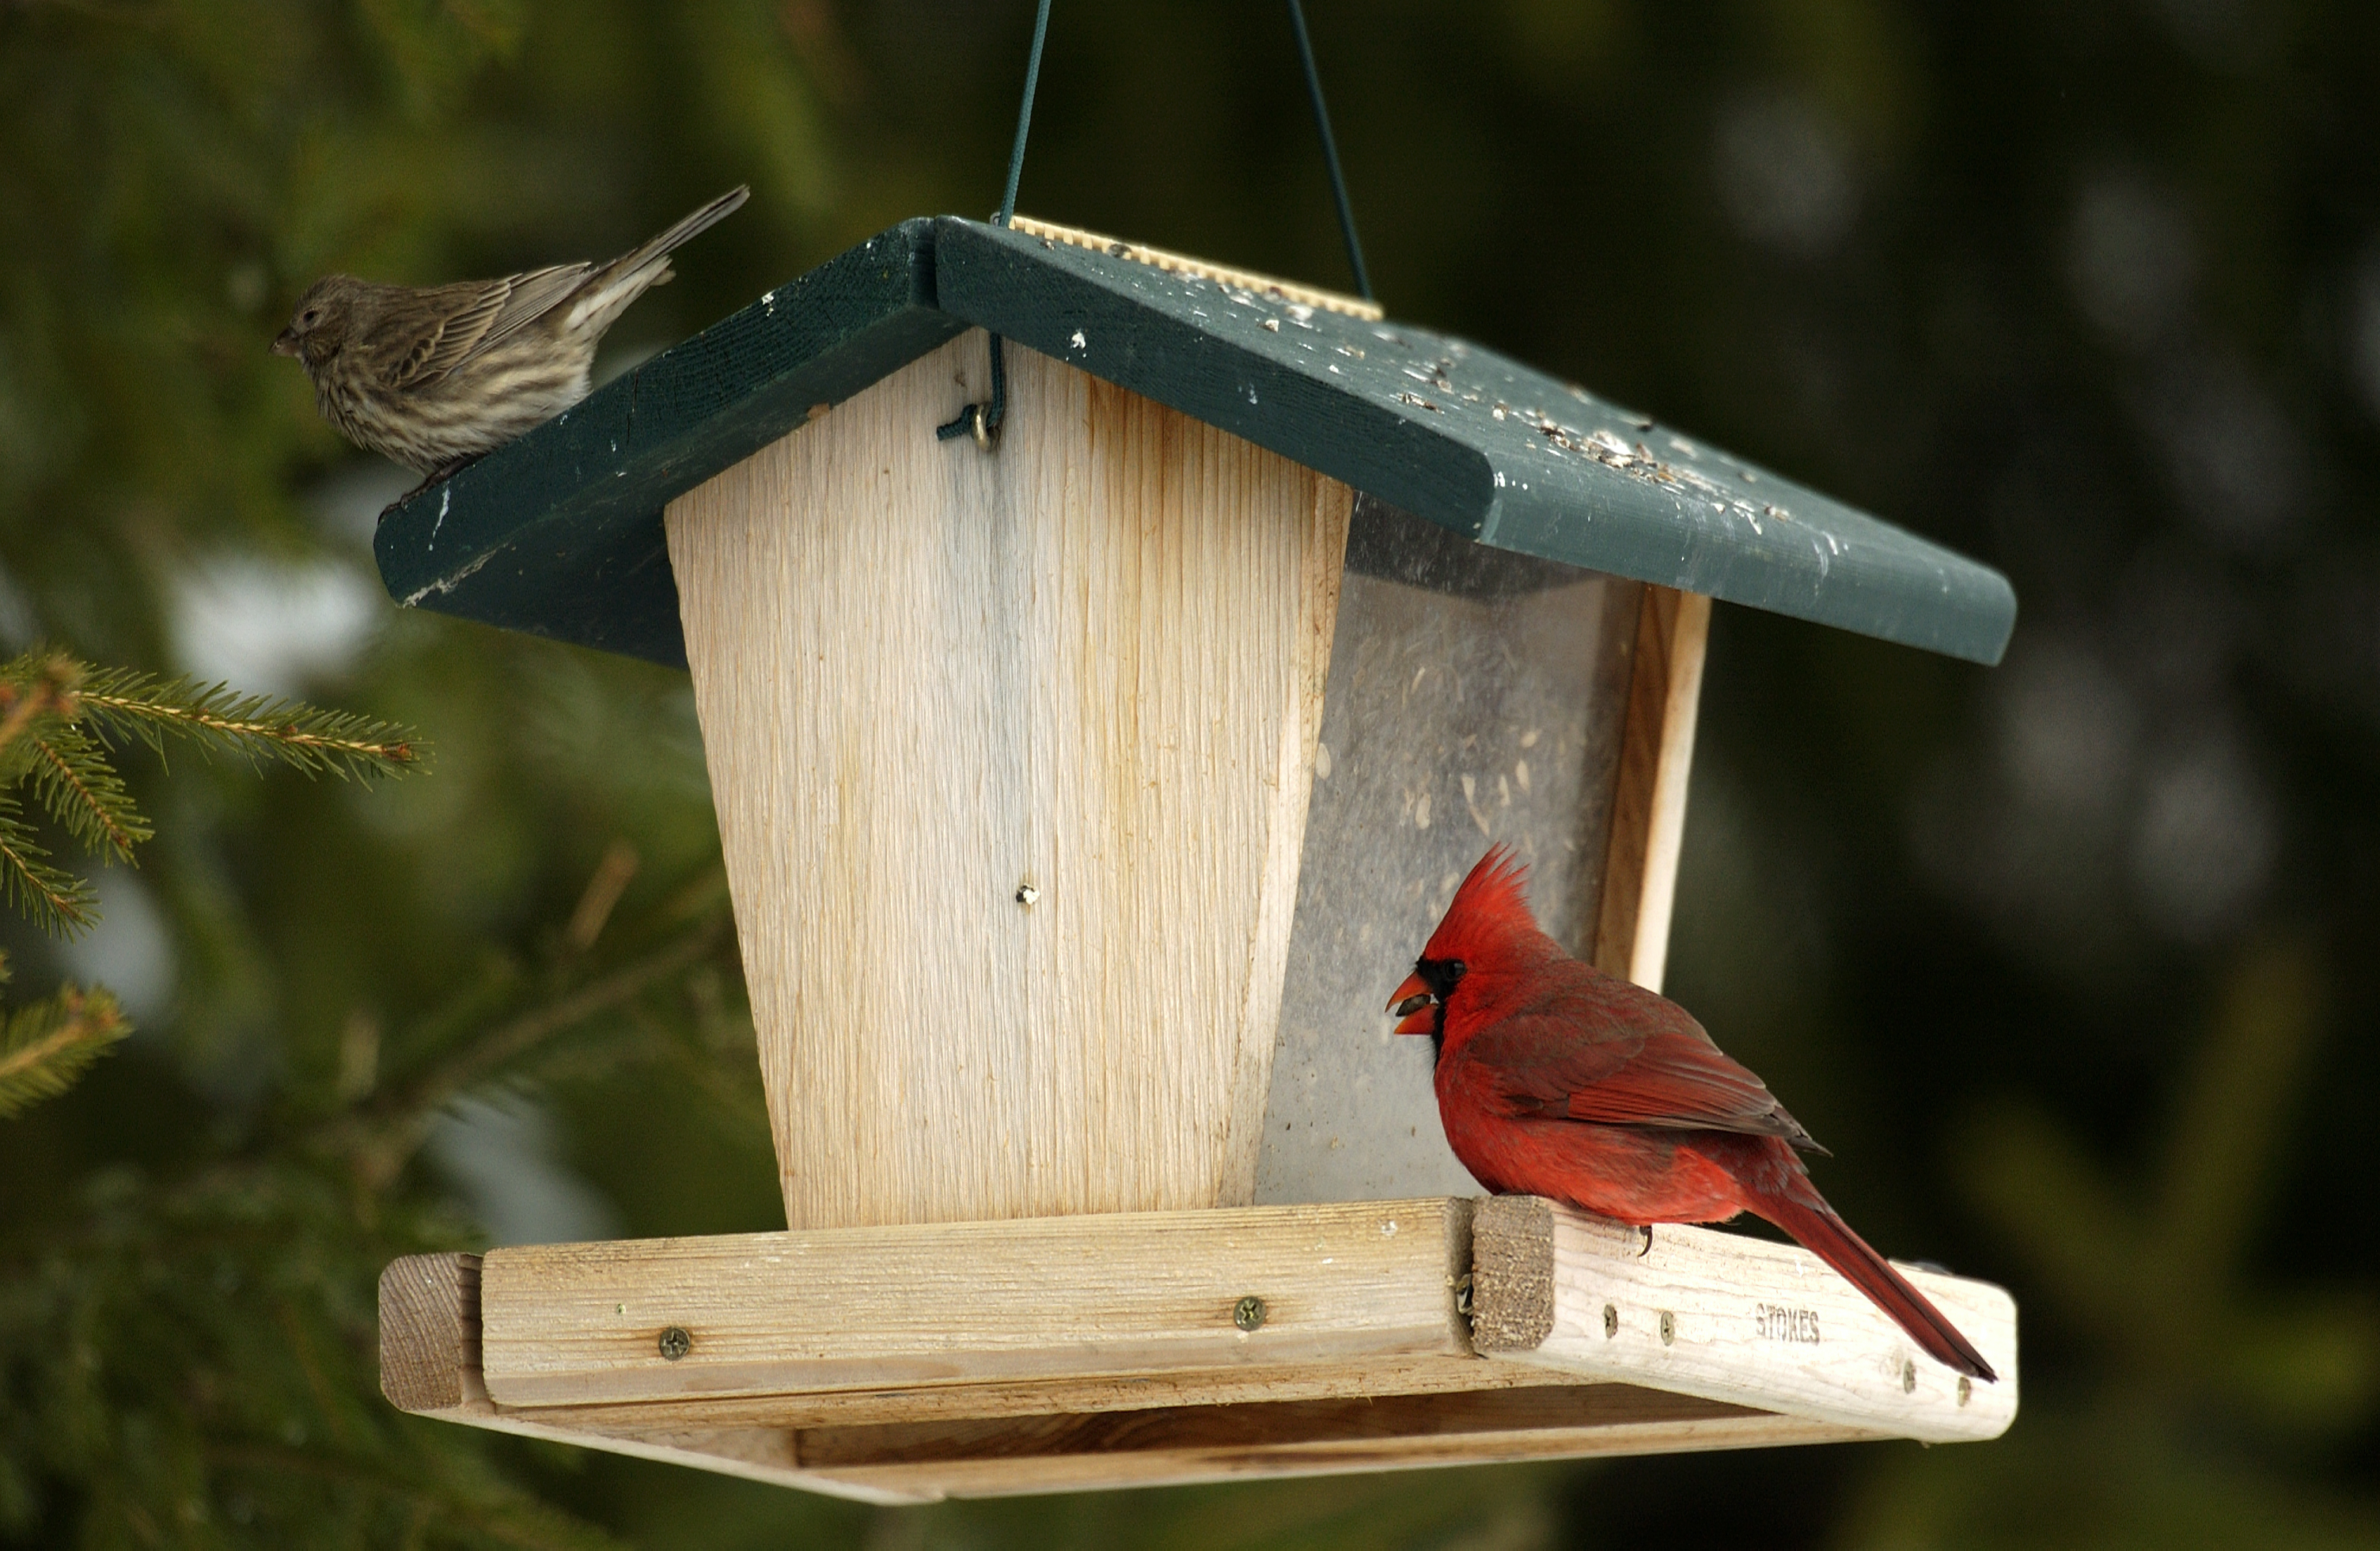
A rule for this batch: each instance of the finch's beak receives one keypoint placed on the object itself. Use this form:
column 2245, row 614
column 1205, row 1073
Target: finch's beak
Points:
column 286, row 344
column 1416, row 1008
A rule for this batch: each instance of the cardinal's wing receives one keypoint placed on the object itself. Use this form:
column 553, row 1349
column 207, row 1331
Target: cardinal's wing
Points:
column 1605, row 1051
column 477, row 315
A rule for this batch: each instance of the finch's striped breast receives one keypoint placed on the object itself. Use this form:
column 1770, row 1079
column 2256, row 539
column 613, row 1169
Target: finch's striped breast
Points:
column 490, row 400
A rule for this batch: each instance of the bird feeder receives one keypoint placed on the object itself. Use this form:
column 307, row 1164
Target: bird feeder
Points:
column 1082, row 792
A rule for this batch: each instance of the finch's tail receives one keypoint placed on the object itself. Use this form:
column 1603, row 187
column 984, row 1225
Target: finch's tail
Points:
column 1816, row 1226
column 604, row 295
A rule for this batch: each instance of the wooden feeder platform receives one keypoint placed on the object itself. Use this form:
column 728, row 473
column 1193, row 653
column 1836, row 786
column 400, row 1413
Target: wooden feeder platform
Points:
column 910, row 1363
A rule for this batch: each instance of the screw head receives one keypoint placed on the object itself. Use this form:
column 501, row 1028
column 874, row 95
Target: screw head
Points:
column 1249, row 1312
column 1966, row 1389
column 1610, row 1320
column 1907, row 1376
column 676, row 1343
column 1668, row 1327
column 1026, row 895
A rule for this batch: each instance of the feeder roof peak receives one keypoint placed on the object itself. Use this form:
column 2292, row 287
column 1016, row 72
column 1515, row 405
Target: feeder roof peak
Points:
column 560, row 533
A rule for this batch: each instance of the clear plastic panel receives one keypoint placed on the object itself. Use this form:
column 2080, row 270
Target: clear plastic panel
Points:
column 1475, row 696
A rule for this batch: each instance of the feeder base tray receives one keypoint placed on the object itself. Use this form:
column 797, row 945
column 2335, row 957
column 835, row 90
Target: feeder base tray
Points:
column 907, row 1363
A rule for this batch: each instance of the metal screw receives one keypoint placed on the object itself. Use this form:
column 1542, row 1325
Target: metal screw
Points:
column 1966, row 1389
column 1907, row 1376
column 1463, row 1296
column 1248, row 1313
column 675, row 1342
column 1610, row 1320
column 1668, row 1327
column 1026, row 894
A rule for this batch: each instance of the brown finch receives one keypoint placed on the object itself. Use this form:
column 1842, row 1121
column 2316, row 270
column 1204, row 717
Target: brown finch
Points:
column 434, row 376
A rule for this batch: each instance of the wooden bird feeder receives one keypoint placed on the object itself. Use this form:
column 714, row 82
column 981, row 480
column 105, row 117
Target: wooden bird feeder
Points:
column 1083, row 797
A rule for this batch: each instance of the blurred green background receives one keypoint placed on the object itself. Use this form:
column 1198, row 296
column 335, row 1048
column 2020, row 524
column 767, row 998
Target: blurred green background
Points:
column 2072, row 961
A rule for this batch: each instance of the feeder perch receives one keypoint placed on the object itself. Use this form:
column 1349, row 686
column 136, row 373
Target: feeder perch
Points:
column 1082, row 798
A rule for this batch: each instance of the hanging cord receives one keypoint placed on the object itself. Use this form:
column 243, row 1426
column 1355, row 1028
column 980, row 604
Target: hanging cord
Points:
column 1330, row 152
column 982, row 420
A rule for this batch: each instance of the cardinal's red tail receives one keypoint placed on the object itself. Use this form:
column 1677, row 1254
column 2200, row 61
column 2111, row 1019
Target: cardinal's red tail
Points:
column 1816, row 1226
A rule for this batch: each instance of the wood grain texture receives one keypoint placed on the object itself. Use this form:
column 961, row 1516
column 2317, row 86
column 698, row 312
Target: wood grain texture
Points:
column 918, row 1462
column 1511, row 1273
column 430, row 1366
column 1046, row 1300
column 430, row 1332
column 1648, row 802
column 1085, row 672
column 1746, row 1321
column 1428, row 1373
column 1221, row 1443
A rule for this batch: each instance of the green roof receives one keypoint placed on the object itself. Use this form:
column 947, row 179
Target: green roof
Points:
column 558, row 534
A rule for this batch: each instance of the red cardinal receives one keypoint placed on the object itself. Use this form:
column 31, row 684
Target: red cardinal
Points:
column 1556, row 1078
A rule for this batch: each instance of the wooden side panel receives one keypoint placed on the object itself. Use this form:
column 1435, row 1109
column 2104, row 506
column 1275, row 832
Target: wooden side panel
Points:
column 1010, row 755
column 1648, row 804
column 1223, row 1443
column 1048, row 1301
column 1178, row 1445
column 1730, row 1318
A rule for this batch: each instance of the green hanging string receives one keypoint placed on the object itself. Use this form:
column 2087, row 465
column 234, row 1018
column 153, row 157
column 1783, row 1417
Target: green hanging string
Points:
column 982, row 420
column 1024, row 114
column 1330, row 152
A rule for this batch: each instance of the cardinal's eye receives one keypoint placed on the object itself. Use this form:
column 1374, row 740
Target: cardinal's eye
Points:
column 1456, row 971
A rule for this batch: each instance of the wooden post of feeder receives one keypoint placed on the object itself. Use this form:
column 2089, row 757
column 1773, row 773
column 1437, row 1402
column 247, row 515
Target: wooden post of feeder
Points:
column 1649, row 799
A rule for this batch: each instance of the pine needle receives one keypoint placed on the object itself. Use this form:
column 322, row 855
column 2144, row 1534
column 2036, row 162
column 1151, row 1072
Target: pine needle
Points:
column 118, row 702
column 45, row 1046
column 56, row 716
column 55, row 899
column 84, row 793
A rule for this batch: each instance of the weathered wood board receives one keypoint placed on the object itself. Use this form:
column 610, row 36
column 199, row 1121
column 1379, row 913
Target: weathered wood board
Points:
column 1010, row 757
column 1045, row 1299
column 1730, row 1318
column 983, row 1359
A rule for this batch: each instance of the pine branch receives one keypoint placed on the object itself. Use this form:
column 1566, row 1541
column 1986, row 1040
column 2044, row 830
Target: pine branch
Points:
column 384, row 1137
column 122, row 703
column 45, row 1046
column 55, row 714
column 84, row 793
column 33, row 691
column 59, row 902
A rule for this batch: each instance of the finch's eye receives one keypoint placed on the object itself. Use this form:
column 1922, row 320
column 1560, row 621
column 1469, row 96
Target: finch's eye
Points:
column 310, row 317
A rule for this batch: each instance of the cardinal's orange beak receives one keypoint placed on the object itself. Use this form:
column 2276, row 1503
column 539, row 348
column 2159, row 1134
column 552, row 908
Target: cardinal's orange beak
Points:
column 1415, row 1006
